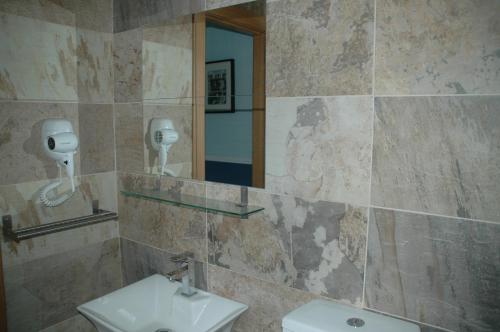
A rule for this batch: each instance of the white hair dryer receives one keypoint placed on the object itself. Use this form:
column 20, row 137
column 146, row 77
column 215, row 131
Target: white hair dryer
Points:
column 163, row 135
column 60, row 143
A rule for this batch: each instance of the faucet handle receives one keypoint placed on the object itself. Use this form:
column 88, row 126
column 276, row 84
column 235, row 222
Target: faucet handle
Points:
column 182, row 258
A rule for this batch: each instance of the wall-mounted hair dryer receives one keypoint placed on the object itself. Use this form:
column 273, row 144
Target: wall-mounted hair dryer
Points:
column 163, row 135
column 60, row 143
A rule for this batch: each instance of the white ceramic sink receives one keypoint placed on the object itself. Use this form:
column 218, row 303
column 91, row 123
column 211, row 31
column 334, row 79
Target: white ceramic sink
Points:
column 156, row 304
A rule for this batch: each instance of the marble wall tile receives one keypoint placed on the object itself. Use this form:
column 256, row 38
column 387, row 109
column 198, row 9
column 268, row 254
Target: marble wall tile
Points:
column 180, row 154
column 76, row 323
column 131, row 14
column 23, row 158
column 319, row 148
column 436, row 270
column 438, row 155
column 129, row 137
column 127, row 60
column 59, row 12
column 22, row 203
column 49, row 289
column 167, row 59
column 89, row 14
column 97, row 139
column 140, row 261
column 319, row 48
column 259, row 246
column 38, row 59
column 95, row 66
column 329, row 250
column 437, row 47
column 268, row 302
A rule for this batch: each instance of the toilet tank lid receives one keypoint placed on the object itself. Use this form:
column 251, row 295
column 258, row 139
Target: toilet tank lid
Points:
column 328, row 316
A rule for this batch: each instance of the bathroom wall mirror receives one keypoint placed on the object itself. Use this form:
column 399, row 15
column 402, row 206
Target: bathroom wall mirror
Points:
column 233, row 90
column 203, row 80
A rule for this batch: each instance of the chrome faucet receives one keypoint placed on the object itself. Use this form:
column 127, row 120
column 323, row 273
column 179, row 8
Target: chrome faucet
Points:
column 184, row 263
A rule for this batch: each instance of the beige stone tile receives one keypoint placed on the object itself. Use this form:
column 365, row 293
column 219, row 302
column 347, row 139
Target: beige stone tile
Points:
column 436, row 270
column 167, row 53
column 259, row 246
column 437, row 47
column 38, row 59
column 438, row 155
column 97, row 139
column 319, row 48
column 319, row 148
column 129, row 137
column 268, row 302
column 95, row 66
column 127, row 58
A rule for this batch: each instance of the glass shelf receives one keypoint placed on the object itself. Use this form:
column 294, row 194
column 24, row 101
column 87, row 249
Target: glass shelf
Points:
column 195, row 202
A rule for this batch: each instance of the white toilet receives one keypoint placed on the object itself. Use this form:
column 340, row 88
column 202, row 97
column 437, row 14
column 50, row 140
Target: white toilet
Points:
column 327, row 316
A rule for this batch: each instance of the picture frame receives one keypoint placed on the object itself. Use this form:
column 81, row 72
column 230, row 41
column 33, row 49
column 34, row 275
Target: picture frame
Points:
column 219, row 86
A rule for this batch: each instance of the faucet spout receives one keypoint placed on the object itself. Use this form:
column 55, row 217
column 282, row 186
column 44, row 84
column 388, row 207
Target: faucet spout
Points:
column 184, row 263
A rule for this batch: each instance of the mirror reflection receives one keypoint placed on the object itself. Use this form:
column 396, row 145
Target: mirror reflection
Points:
column 203, row 95
column 234, row 94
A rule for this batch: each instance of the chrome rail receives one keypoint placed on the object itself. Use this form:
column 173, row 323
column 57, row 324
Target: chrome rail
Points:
column 17, row 235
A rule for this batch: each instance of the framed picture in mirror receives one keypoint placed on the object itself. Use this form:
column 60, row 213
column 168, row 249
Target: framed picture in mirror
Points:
column 219, row 86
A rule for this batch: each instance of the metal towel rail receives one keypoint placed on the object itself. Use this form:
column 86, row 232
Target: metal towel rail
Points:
column 17, row 235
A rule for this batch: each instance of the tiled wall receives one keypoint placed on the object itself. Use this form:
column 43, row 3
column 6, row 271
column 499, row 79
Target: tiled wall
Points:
column 56, row 61
column 382, row 159
column 382, row 167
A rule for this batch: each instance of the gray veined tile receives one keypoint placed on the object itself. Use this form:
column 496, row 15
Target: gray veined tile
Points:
column 329, row 250
column 437, row 47
column 259, row 246
column 131, row 14
column 319, row 48
column 77, row 323
column 48, row 290
column 319, row 148
column 440, row 271
column 140, row 261
column 438, row 155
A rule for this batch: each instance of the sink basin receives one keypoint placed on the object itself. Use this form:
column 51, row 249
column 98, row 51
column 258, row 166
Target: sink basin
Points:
column 155, row 304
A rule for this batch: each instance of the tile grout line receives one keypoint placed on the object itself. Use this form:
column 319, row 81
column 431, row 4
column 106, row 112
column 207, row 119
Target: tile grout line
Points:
column 363, row 297
column 409, row 320
column 434, row 214
column 357, row 204
column 157, row 101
